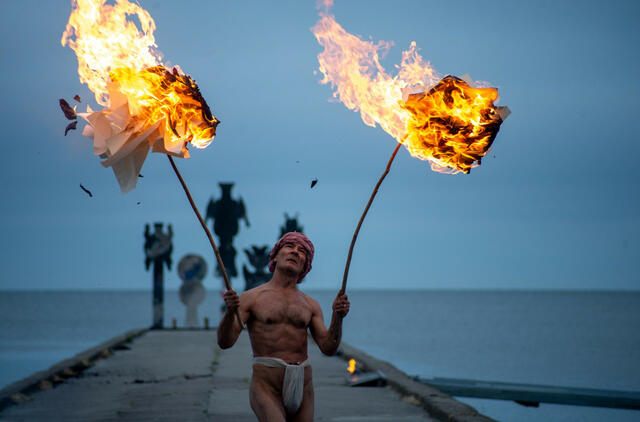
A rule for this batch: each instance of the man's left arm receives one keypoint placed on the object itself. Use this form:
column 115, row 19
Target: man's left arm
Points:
column 329, row 340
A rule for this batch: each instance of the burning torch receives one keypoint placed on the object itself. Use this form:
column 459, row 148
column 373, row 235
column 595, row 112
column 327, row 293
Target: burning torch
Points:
column 448, row 121
column 146, row 105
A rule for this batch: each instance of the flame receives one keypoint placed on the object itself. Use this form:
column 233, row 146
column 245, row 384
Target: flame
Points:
column 352, row 366
column 451, row 123
column 154, row 94
column 105, row 37
column 116, row 58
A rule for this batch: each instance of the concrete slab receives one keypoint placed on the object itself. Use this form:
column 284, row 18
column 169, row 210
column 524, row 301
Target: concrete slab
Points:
column 334, row 399
column 164, row 376
column 170, row 375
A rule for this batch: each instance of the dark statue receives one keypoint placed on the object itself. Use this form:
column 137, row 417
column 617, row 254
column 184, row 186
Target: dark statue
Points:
column 259, row 259
column 157, row 249
column 157, row 245
column 226, row 213
column 290, row 225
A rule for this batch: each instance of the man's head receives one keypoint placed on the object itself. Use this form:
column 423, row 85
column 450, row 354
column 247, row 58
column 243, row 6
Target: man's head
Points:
column 293, row 250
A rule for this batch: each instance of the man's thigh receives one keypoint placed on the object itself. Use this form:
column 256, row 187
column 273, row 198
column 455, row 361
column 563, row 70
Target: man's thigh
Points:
column 265, row 399
column 305, row 412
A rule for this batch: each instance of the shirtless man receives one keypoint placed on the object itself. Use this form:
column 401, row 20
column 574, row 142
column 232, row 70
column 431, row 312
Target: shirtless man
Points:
column 277, row 316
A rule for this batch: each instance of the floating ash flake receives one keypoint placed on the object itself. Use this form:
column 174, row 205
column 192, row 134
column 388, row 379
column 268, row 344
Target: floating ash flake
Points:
column 70, row 126
column 87, row 191
column 68, row 111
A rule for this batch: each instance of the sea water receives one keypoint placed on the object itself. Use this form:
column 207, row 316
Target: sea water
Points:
column 574, row 339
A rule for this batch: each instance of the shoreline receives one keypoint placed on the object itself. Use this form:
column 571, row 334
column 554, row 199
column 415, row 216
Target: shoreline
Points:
column 19, row 391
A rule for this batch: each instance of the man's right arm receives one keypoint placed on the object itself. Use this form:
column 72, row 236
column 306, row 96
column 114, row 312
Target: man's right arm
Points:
column 328, row 340
column 229, row 328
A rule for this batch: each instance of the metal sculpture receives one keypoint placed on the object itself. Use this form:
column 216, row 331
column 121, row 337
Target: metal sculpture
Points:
column 157, row 249
column 258, row 257
column 226, row 213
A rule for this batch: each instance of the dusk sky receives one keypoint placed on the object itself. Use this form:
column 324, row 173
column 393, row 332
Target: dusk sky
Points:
column 554, row 205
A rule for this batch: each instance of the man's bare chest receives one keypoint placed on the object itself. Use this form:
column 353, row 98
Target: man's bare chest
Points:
column 293, row 310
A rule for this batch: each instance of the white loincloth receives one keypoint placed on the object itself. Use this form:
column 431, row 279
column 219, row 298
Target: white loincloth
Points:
column 293, row 383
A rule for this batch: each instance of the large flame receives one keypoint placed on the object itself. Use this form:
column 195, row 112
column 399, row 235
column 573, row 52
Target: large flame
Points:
column 154, row 94
column 439, row 122
column 452, row 125
column 146, row 105
column 105, row 37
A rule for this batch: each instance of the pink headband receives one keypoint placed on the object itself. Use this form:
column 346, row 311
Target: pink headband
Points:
column 293, row 237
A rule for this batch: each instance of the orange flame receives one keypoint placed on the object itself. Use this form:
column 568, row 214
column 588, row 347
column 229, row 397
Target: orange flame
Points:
column 452, row 125
column 105, row 37
column 440, row 125
column 352, row 366
column 155, row 94
column 115, row 57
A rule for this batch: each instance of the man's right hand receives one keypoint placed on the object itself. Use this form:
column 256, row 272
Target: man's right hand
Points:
column 232, row 300
column 231, row 325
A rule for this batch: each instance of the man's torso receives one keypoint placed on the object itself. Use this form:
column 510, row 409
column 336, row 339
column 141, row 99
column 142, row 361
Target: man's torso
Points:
column 278, row 323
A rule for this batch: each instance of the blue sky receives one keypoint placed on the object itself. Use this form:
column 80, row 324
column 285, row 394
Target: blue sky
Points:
column 554, row 205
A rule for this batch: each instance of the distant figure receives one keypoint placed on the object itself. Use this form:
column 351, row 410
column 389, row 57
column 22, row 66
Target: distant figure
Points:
column 157, row 249
column 192, row 269
column 258, row 258
column 226, row 213
column 279, row 316
column 290, row 225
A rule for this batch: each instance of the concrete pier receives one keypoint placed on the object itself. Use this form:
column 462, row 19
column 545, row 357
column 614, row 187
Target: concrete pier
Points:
column 171, row 375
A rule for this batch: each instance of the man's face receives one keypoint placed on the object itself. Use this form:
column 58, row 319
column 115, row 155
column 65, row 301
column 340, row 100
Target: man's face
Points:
column 291, row 257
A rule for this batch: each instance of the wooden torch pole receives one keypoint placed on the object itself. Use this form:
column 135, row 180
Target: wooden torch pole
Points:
column 364, row 214
column 227, row 282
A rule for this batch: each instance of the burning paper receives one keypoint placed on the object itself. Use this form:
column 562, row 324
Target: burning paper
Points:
column 453, row 124
column 447, row 121
column 146, row 105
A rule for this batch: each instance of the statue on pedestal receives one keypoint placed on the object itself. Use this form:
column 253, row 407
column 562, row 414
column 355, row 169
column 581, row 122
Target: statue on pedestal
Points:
column 259, row 259
column 157, row 249
column 290, row 225
column 226, row 213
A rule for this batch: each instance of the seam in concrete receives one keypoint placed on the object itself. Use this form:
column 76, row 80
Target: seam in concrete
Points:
column 187, row 377
column 57, row 373
column 437, row 404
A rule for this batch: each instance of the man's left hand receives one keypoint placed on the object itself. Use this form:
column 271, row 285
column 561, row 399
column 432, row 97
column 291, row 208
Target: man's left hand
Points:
column 341, row 305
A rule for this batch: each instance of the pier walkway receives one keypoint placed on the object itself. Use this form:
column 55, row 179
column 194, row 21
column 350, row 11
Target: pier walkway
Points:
column 181, row 375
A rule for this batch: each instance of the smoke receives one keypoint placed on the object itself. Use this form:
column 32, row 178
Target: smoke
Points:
column 323, row 6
